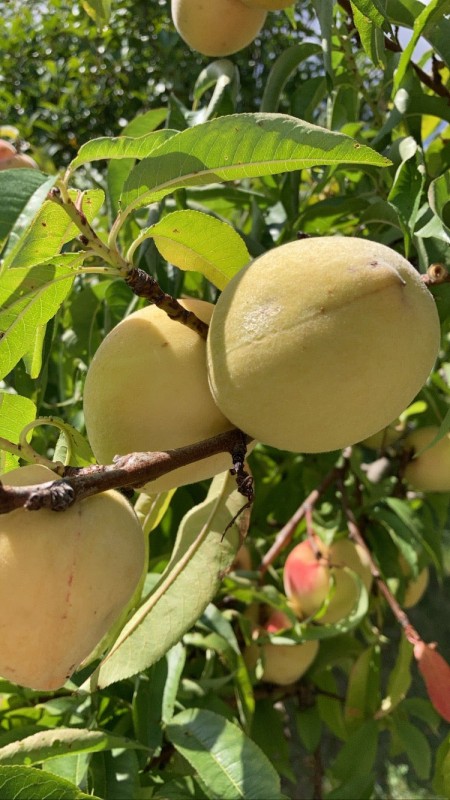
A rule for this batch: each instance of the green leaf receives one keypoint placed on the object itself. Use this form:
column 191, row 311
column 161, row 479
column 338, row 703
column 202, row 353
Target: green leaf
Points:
column 416, row 747
column 441, row 781
column 33, row 358
column 399, row 679
column 120, row 147
column 18, row 187
column 361, row 749
column 195, row 241
column 15, row 413
column 34, row 297
column 176, row 659
column 406, row 192
column 72, row 449
column 28, row 299
column 98, row 10
column 439, row 197
column 282, row 70
column 359, row 786
column 150, row 509
column 183, row 788
column 371, row 9
column 200, row 556
column 27, row 783
column 239, row 146
column 229, row 763
column 370, row 33
column 324, row 12
column 59, row 742
column 427, row 20
column 50, row 229
column 224, row 76
column 363, row 692
column 119, row 169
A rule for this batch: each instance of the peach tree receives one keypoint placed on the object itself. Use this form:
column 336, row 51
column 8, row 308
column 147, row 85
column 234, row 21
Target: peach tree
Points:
column 245, row 632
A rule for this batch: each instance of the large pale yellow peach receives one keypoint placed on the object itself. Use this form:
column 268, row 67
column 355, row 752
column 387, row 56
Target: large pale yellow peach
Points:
column 147, row 389
column 430, row 471
column 64, row 579
column 217, row 27
column 322, row 342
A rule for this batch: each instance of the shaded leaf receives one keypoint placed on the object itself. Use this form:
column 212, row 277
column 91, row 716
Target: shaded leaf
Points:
column 281, row 71
column 363, row 692
column 361, row 749
column 416, row 747
column 399, row 679
column 223, row 75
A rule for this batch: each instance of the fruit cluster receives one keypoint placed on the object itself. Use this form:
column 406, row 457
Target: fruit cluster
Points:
column 299, row 355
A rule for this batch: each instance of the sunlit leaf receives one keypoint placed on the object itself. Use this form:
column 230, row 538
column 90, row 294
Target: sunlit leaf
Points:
column 52, row 743
column 200, row 556
column 15, row 413
column 229, row 763
column 236, row 147
column 191, row 240
column 28, row 783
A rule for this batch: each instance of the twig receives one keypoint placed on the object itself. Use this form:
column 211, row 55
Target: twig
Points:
column 355, row 534
column 318, row 773
column 132, row 470
column 145, row 286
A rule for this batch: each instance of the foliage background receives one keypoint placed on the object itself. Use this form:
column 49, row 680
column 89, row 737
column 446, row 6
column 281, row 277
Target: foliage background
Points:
column 63, row 82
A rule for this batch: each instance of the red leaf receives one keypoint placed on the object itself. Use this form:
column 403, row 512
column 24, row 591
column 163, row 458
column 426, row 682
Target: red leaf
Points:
column 436, row 674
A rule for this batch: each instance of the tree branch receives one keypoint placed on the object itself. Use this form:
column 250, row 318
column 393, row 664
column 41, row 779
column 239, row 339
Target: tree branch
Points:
column 133, row 470
column 356, row 536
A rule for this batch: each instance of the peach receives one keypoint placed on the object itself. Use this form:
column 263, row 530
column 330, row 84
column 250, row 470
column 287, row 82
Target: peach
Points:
column 282, row 664
column 64, row 580
column 217, row 27
column 320, row 343
column 147, row 389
